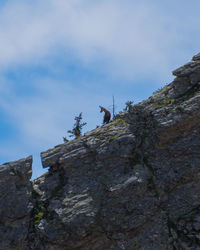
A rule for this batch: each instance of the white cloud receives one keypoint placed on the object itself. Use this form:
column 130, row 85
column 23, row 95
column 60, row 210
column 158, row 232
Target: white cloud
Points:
column 130, row 37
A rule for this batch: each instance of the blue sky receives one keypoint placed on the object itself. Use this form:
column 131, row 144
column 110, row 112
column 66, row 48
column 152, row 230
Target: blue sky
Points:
column 62, row 57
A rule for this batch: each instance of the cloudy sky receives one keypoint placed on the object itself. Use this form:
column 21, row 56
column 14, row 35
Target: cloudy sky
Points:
column 62, row 57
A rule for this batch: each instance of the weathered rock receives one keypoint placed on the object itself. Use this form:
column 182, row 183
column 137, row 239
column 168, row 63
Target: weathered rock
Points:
column 196, row 57
column 15, row 205
column 131, row 184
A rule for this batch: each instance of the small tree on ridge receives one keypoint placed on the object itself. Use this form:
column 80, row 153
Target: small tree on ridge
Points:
column 77, row 129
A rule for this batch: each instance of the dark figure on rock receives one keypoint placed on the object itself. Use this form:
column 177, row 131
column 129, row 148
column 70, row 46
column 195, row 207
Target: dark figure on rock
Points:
column 107, row 115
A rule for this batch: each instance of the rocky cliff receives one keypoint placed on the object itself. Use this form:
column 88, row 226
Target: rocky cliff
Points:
column 131, row 184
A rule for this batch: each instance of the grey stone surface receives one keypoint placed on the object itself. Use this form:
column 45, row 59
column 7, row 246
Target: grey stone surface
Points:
column 15, row 203
column 131, row 184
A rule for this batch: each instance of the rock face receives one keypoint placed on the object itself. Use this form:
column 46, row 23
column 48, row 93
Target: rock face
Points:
column 15, row 203
column 131, row 184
